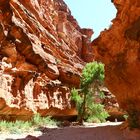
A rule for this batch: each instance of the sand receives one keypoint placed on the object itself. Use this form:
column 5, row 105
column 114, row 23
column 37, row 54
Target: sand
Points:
column 104, row 131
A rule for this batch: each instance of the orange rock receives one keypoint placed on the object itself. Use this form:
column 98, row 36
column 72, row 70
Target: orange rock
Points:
column 118, row 47
column 41, row 57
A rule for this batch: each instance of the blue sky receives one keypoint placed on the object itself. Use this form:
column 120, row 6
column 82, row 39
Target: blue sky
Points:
column 94, row 14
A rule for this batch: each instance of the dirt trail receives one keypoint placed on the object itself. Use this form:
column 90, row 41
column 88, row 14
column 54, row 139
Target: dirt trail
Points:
column 105, row 131
column 91, row 133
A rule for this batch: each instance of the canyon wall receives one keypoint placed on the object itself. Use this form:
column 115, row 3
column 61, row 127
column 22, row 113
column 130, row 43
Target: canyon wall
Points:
column 42, row 53
column 119, row 48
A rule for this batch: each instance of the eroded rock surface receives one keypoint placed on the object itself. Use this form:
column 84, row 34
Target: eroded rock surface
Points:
column 42, row 53
column 119, row 49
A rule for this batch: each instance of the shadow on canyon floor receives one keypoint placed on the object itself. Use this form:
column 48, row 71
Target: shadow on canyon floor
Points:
column 111, row 131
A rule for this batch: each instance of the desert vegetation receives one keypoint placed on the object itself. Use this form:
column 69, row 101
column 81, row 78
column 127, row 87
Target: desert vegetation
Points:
column 85, row 97
column 17, row 127
column 85, row 101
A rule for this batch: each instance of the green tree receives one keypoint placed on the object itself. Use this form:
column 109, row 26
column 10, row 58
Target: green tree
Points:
column 91, row 80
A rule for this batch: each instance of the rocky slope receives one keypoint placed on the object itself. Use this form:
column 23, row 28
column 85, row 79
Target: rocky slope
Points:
column 42, row 53
column 119, row 49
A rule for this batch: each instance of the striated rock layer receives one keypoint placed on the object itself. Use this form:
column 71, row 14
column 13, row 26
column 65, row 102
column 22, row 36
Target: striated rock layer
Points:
column 42, row 53
column 119, row 49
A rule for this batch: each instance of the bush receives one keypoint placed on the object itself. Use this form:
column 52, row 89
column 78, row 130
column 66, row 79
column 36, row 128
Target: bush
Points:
column 15, row 127
column 43, row 121
column 91, row 80
column 27, row 126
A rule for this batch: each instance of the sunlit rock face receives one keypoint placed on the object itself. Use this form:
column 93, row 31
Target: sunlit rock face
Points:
column 119, row 49
column 42, row 53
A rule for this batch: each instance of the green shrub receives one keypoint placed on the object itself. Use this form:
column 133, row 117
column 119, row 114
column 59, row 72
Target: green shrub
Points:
column 15, row 127
column 27, row 126
column 90, row 83
column 41, row 121
column 125, row 116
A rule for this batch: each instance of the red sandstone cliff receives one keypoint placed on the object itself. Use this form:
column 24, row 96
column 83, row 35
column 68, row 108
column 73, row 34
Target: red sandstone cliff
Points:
column 119, row 49
column 42, row 53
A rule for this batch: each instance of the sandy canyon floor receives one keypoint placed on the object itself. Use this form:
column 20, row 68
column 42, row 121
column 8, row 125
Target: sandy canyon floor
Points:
column 104, row 131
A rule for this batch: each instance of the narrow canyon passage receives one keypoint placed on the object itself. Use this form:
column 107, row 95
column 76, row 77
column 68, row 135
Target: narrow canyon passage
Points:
column 43, row 51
